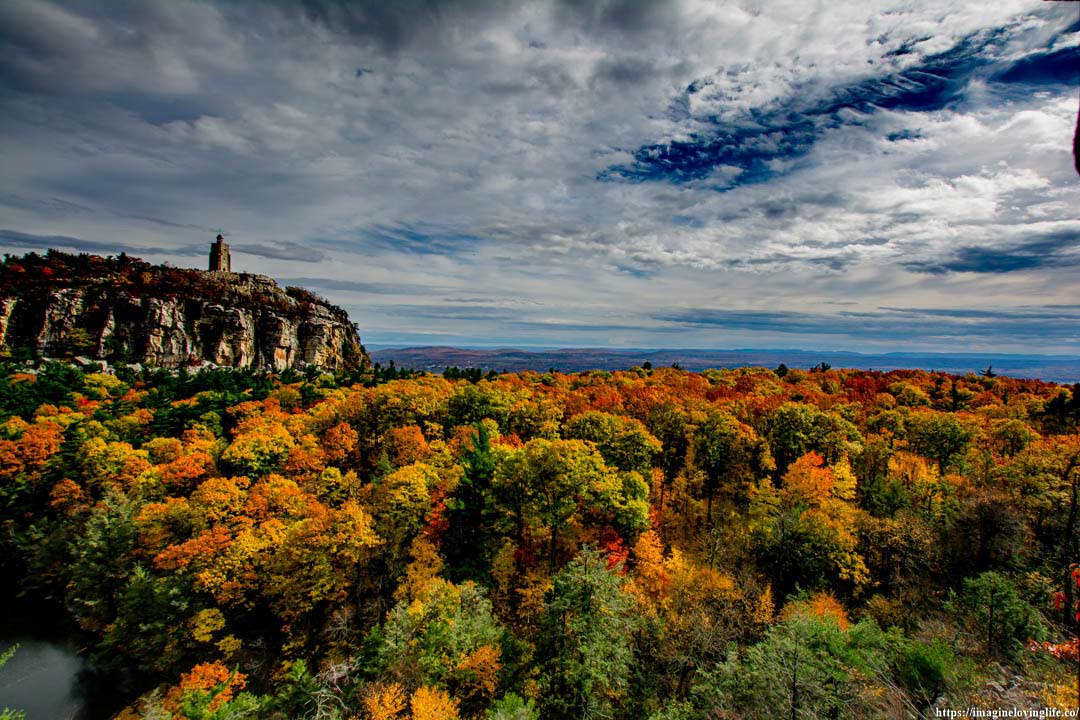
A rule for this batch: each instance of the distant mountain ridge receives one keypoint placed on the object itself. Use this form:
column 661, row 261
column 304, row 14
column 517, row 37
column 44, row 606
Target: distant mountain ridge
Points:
column 1055, row 368
column 122, row 309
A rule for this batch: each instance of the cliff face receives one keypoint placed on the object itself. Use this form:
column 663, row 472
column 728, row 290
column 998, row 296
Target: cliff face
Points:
column 126, row 310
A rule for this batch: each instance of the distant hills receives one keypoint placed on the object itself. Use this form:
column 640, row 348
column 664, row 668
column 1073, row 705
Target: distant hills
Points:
column 1055, row 368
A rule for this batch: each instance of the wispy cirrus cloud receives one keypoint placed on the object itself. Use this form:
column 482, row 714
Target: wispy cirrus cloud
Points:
column 890, row 324
column 285, row 251
column 14, row 239
column 293, row 251
column 1058, row 250
column 760, row 142
column 363, row 288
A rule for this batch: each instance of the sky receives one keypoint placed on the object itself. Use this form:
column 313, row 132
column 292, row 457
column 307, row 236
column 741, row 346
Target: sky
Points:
column 870, row 175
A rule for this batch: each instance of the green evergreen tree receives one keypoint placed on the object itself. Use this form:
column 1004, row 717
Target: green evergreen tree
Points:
column 468, row 543
column 806, row 668
column 585, row 653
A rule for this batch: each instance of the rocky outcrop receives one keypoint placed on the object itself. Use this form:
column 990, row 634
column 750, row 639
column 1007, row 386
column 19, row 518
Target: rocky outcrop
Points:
column 227, row 319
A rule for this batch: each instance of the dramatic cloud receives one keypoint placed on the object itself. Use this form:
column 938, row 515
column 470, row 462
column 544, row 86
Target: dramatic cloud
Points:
column 680, row 173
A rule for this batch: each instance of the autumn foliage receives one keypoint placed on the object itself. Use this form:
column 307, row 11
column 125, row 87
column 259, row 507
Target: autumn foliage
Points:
column 638, row 544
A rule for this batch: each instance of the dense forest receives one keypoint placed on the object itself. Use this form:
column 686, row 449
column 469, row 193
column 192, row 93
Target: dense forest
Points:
column 651, row 543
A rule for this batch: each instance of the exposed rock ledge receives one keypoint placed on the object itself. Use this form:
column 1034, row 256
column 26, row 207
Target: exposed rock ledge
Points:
column 123, row 309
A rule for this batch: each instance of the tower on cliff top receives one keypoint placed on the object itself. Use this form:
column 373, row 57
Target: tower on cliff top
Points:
column 219, row 256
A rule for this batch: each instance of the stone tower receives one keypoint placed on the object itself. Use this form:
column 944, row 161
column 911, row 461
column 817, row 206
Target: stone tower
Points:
column 219, row 256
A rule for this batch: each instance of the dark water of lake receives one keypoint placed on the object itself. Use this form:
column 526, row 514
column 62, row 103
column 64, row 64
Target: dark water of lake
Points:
column 43, row 680
column 50, row 677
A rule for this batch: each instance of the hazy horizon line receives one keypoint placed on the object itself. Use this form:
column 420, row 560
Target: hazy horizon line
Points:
column 377, row 347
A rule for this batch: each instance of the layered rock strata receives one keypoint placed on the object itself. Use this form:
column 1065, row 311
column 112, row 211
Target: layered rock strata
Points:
column 227, row 319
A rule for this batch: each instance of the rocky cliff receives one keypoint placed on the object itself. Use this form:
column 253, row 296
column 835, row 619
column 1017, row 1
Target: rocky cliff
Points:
column 125, row 310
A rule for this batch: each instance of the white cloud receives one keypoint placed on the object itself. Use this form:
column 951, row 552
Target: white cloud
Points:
column 494, row 122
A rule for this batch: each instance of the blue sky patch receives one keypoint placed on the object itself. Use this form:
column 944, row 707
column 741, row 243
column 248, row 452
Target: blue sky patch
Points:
column 423, row 240
column 788, row 132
